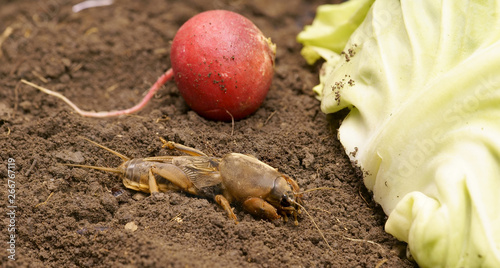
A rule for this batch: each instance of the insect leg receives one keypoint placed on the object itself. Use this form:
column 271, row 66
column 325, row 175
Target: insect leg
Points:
column 222, row 201
column 153, row 185
column 174, row 175
column 260, row 208
column 179, row 147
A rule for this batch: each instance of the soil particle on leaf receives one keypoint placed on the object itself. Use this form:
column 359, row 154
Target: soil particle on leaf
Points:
column 74, row 217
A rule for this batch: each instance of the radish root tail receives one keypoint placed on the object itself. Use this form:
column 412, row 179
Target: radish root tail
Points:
column 167, row 76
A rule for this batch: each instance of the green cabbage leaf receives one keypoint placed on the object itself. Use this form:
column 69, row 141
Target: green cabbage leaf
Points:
column 422, row 82
column 328, row 35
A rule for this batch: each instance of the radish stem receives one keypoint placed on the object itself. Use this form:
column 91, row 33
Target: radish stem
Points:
column 167, row 76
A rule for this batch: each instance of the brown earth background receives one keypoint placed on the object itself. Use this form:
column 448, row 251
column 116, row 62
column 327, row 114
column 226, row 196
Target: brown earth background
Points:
column 106, row 58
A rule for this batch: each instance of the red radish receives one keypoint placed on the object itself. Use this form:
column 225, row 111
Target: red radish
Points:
column 221, row 63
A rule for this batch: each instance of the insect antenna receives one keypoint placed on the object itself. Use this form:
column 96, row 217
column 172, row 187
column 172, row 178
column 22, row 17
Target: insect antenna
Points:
column 315, row 225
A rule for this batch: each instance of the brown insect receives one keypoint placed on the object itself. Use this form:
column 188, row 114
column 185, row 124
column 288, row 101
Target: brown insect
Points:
column 259, row 188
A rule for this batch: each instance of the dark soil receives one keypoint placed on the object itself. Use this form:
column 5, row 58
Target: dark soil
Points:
column 106, row 58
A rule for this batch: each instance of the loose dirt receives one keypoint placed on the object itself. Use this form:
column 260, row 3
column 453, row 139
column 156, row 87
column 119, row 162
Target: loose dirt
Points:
column 106, row 58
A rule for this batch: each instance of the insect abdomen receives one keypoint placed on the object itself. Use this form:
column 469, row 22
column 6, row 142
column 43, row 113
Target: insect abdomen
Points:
column 136, row 175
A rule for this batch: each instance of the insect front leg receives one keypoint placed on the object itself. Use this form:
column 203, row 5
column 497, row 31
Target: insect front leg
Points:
column 260, row 208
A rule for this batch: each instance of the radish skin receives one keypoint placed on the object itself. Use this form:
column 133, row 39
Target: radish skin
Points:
column 223, row 65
